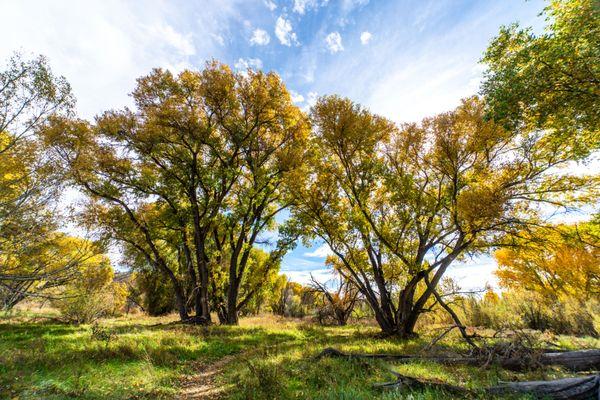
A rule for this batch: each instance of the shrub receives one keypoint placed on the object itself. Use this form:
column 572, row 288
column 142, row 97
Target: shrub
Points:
column 92, row 295
column 89, row 306
column 156, row 292
column 518, row 309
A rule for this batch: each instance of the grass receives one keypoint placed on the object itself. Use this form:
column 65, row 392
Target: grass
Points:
column 268, row 358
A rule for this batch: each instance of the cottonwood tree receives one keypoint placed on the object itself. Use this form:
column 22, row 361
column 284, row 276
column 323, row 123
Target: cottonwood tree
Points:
column 398, row 205
column 193, row 139
column 30, row 184
column 270, row 154
column 556, row 262
column 549, row 80
column 42, row 269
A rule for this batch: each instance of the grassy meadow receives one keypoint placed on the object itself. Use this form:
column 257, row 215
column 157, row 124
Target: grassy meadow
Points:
column 266, row 357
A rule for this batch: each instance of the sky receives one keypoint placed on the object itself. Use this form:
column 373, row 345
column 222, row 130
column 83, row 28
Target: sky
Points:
column 404, row 59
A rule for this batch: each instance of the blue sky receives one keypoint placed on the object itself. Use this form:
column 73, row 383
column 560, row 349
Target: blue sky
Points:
column 403, row 59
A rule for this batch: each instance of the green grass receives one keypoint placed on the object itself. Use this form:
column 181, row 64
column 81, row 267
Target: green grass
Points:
column 267, row 358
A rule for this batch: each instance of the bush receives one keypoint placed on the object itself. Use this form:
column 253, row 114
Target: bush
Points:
column 89, row 306
column 518, row 309
column 156, row 292
column 92, row 294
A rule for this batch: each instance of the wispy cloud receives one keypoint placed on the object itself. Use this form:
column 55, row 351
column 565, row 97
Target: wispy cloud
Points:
column 301, row 6
column 284, row 31
column 320, row 252
column 270, row 5
column 112, row 41
column 334, row 42
column 365, row 37
column 242, row 64
column 260, row 37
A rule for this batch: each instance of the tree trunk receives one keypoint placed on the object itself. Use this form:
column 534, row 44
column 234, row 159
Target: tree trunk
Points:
column 180, row 301
column 199, row 236
column 232, row 310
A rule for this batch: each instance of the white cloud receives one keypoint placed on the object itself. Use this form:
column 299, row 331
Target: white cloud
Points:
column 365, row 37
column 349, row 5
column 260, row 37
column 296, row 97
column 270, row 5
column 284, row 31
column 311, row 99
column 301, row 6
column 242, row 64
column 182, row 43
column 320, row 252
column 475, row 273
column 218, row 38
column 334, row 42
column 102, row 47
column 304, row 277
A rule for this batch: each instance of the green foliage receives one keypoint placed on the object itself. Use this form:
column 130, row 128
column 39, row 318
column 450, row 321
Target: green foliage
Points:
column 522, row 309
column 155, row 292
column 30, row 183
column 91, row 293
column 550, row 81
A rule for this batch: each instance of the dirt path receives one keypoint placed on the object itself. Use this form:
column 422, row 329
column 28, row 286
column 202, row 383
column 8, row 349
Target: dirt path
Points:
column 202, row 385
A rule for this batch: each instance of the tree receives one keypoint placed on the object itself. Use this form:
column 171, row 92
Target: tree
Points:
column 555, row 262
column 551, row 80
column 92, row 293
column 260, row 271
column 29, row 93
column 398, row 206
column 163, row 176
column 45, row 268
column 30, row 183
column 269, row 156
column 338, row 300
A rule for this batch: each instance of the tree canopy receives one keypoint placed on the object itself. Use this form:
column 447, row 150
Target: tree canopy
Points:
column 549, row 80
column 397, row 205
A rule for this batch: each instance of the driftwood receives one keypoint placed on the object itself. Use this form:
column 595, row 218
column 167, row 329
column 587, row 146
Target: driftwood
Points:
column 584, row 388
column 580, row 360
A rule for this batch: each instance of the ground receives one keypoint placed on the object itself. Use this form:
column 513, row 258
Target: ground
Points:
column 263, row 358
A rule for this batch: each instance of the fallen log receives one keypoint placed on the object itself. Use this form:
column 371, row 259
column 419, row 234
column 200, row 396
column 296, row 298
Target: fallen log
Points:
column 335, row 353
column 403, row 381
column 584, row 388
column 580, row 360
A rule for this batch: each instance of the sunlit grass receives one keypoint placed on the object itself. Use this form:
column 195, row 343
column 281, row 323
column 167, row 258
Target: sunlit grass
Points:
column 273, row 358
